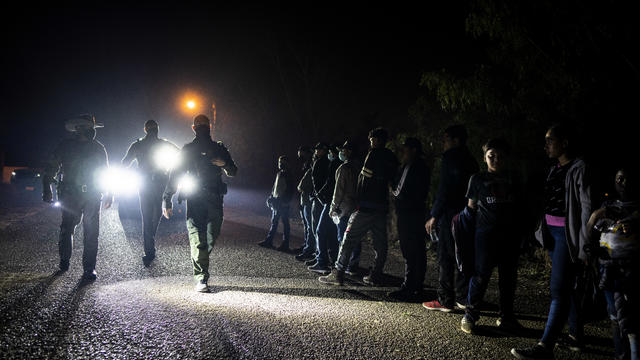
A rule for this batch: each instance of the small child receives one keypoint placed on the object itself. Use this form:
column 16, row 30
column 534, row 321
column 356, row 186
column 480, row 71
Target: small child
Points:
column 618, row 222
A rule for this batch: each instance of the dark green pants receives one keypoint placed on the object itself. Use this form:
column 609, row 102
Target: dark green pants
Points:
column 204, row 220
column 76, row 207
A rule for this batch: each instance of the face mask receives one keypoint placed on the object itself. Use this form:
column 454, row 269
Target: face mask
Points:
column 202, row 130
column 331, row 157
column 152, row 132
column 342, row 156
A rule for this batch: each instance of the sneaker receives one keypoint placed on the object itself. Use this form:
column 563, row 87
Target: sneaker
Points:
column 352, row 272
column 372, row 279
column 64, row 265
column 265, row 244
column 571, row 342
column 283, row 247
column 202, row 287
column 510, row 325
column 89, row 275
column 146, row 260
column 467, row 324
column 538, row 351
column 304, row 257
column 436, row 306
column 323, row 270
column 460, row 306
column 336, row 277
column 311, row 262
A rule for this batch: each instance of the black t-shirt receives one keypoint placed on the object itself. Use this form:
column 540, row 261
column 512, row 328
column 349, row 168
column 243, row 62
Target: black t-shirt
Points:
column 495, row 197
column 554, row 191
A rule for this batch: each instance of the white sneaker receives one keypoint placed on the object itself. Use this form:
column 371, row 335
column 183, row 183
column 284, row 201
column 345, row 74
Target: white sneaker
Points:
column 460, row 306
column 202, row 287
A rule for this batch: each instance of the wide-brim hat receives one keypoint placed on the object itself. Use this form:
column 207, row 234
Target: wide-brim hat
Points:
column 81, row 121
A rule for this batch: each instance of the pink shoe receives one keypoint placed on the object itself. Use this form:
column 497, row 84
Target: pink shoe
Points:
column 436, row 306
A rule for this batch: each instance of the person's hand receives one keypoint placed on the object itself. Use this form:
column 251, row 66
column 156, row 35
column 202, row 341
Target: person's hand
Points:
column 167, row 213
column 218, row 162
column 108, row 202
column 47, row 197
column 429, row 226
column 628, row 224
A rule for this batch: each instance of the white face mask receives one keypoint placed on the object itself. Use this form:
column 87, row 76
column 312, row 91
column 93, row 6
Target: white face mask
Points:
column 342, row 156
column 331, row 157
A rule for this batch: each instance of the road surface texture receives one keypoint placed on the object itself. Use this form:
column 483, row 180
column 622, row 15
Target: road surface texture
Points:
column 263, row 304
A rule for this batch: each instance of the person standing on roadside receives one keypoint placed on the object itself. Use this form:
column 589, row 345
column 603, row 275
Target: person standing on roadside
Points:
column 456, row 168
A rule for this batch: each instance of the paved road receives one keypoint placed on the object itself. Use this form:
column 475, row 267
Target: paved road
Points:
column 264, row 304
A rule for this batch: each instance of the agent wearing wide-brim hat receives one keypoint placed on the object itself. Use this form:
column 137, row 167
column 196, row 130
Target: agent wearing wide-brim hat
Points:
column 81, row 161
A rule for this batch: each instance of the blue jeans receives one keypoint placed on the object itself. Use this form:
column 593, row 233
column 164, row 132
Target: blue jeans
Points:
column 494, row 248
column 327, row 237
column 309, row 240
column 564, row 302
column 354, row 262
column 279, row 213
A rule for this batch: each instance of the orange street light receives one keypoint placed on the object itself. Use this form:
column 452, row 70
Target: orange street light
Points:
column 191, row 104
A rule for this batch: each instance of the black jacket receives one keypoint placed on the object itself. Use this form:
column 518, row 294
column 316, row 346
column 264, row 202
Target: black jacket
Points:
column 326, row 192
column 319, row 174
column 457, row 167
column 411, row 195
column 377, row 174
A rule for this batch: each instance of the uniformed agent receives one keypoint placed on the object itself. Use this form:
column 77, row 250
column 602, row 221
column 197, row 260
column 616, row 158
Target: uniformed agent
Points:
column 155, row 157
column 78, row 162
column 202, row 161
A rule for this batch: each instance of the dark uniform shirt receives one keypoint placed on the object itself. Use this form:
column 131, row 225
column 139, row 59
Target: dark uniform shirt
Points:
column 80, row 163
column 196, row 159
column 144, row 151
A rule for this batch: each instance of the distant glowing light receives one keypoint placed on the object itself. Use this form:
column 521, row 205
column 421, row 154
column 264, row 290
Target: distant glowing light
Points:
column 191, row 104
column 56, row 204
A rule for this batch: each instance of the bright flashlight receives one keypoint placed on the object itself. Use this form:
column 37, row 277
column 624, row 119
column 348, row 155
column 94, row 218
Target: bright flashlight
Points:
column 167, row 158
column 187, row 184
column 56, row 204
column 119, row 181
column 191, row 104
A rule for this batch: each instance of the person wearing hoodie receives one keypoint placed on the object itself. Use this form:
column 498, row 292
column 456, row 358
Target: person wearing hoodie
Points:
column 563, row 232
column 372, row 193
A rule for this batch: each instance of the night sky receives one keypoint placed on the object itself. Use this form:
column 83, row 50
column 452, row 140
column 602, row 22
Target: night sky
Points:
column 126, row 65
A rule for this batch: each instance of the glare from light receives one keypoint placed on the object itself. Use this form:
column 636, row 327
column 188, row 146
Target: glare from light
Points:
column 56, row 204
column 187, row 184
column 119, row 181
column 191, row 104
column 167, row 158
column 13, row 173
